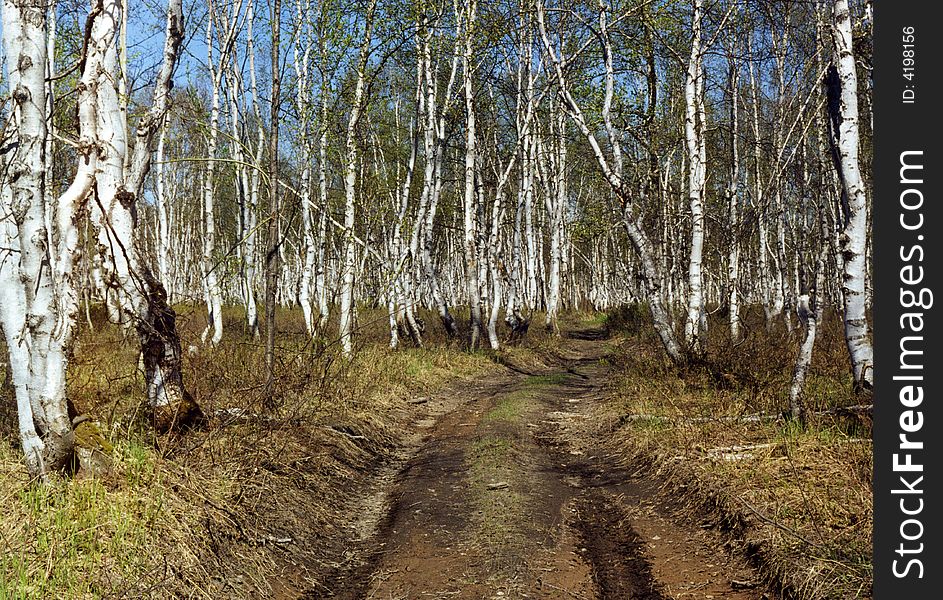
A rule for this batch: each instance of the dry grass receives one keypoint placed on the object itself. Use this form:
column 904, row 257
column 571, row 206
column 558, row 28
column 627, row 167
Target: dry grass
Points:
column 251, row 506
column 255, row 504
column 798, row 500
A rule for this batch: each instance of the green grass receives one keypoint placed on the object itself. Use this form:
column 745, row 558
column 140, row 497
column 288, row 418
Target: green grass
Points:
column 84, row 539
column 155, row 528
column 545, row 380
column 509, row 408
column 490, row 453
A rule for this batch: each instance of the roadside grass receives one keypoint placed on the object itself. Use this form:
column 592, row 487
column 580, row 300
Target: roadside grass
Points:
column 797, row 500
column 88, row 538
column 252, row 503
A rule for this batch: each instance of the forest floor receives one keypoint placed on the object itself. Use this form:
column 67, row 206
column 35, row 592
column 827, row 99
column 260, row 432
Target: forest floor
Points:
column 509, row 487
column 583, row 466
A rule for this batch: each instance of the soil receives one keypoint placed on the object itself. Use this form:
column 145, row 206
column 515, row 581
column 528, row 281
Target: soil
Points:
column 507, row 490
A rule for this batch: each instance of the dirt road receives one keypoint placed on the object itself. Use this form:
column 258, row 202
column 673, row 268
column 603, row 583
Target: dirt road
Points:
column 510, row 494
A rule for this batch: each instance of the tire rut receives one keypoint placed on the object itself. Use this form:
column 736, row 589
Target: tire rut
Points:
column 510, row 495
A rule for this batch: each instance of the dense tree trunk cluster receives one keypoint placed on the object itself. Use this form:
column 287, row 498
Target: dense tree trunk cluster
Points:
column 487, row 162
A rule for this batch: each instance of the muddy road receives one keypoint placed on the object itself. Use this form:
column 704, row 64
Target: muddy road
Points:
column 508, row 492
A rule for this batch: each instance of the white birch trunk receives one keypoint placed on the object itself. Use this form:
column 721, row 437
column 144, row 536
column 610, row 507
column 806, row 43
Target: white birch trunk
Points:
column 436, row 123
column 321, row 277
column 613, row 174
column 514, row 317
column 557, row 212
column 214, row 294
column 781, row 290
column 117, row 190
column 494, row 262
column 854, row 237
column 302, row 102
column 530, row 250
column 252, row 210
column 693, row 129
column 733, row 208
column 494, row 256
column 163, row 216
column 759, row 201
column 810, row 307
column 470, row 220
column 350, row 191
column 38, row 301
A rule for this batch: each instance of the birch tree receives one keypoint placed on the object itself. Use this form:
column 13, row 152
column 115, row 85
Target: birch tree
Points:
column 228, row 27
column 733, row 201
column 117, row 189
column 321, row 261
column 843, row 109
column 250, row 240
column 524, row 117
column 557, row 203
column 301, row 63
column 38, row 301
column 810, row 307
column 470, row 221
column 274, row 249
column 759, row 193
column 612, row 171
column 434, row 137
column 694, row 139
column 347, row 298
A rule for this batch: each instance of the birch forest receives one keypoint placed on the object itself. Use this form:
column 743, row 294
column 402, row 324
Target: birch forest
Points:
column 246, row 245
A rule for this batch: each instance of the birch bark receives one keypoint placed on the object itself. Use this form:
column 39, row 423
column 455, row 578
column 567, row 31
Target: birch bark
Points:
column 470, row 205
column 38, row 297
column 252, row 208
column 612, row 171
column 517, row 294
column 693, row 128
column 557, row 215
column 434, row 150
column 350, row 191
column 810, row 307
column 321, row 277
column 114, row 215
column 843, row 104
column 23, row 260
column 302, row 104
column 733, row 205
column 759, row 200
column 227, row 26
column 274, row 250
